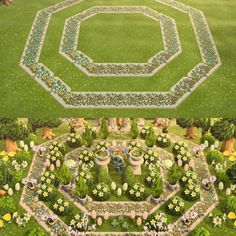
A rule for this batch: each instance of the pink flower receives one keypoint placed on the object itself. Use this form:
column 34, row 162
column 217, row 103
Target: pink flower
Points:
column 180, row 163
column 94, row 214
column 186, row 167
column 132, row 214
column 139, row 221
column 145, row 215
column 99, row 221
column 47, row 162
column 213, row 178
column 191, row 164
column 106, row 215
column 52, row 167
column 58, row 163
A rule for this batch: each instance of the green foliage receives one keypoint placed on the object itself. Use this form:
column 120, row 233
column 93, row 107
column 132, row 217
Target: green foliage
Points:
column 88, row 137
column 7, row 205
column 231, row 173
column 209, row 138
column 13, row 129
column 230, row 204
column 134, row 129
column 185, row 122
column 200, row 232
column 43, row 122
column 223, row 177
column 22, row 156
column 104, row 129
column 175, row 206
column 36, row 232
column 163, row 140
column 31, row 137
column 128, row 176
column 215, row 156
column 157, row 188
column 101, row 192
column 174, row 174
column 203, row 123
column 223, row 129
column 81, row 188
column 64, row 174
column 102, row 175
column 150, row 139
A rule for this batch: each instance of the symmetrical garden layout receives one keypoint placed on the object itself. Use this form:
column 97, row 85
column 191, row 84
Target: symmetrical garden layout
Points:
column 38, row 177
column 71, row 99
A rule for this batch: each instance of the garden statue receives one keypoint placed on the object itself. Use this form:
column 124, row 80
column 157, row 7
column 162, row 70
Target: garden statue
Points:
column 125, row 126
column 118, row 163
column 112, row 126
column 140, row 121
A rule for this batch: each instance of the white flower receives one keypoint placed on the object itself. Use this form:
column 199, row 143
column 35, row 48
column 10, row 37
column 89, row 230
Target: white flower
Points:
column 26, row 148
column 125, row 187
column 119, row 191
column 113, row 186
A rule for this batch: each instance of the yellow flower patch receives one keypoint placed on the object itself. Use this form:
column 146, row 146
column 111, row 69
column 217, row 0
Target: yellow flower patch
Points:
column 231, row 215
column 7, row 217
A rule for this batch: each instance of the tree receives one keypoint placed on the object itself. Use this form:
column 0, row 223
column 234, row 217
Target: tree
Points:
column 104, row 129
column 12, row 130
column 46, row 124
column 225, row 131
column 88, row 137
column 134, row 129
column 204, row 124
column 150, row 139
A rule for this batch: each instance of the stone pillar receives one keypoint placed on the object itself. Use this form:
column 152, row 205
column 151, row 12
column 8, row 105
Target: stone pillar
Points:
column 112, row 126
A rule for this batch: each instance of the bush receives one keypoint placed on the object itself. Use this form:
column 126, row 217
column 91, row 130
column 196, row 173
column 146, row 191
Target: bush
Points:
column 231, row 173
column 128, row 176
column 163, row 140
column 134, row 130
column 223, row 177
column 101, row 192
column 157, row 188
column 74, row 140
column 86, row 158
column 150, row 139
column 173, row 175
column 200, row 232
column 81, row 188
column 215, row 156
column 144, row 132
column 61, row 207
column 137, row 192
column 150, row 157
column 179, row 146
column 88, row 137
column 209, row 138
column 104, row 129
column 64, row 175
column 31, row 137
column 22, row 156
column 175, row 206
column 103, row 176
column 191, row 192
column 152, row 176
column 230, row 204
column 36, row 232
column 56, row 146
column 7, row 205
column 46, row 192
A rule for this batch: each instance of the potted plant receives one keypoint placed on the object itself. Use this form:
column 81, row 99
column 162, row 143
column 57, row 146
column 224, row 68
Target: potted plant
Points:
column 102, row 155
column 150, row 139
column 173, row 176
column 134, row 130
column 157, row 190
column 81, row 190
column 65, row 177
column 136, row 154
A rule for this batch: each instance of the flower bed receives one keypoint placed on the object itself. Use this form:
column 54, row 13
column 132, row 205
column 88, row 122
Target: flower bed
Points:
column 101, row 192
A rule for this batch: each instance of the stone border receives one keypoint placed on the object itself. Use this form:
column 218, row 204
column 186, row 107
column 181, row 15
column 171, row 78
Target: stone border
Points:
column 69, row 43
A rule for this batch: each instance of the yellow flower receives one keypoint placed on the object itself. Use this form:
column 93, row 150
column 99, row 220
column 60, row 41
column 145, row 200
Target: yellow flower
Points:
column 3, row 153
column 226, row 153
column 7, row 217
column 1, row 223
column 5, row 158
column 235, row 223
column 231, row 215
column 11, row 154
column 232, row 158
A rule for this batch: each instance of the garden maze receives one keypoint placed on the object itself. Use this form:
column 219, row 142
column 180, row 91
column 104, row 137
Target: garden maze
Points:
column 68, row 48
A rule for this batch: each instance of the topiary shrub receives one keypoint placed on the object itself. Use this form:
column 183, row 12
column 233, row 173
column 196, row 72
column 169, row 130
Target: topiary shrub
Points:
column 88, row 137
column 7, row 205
column 215, row 156
column 134, row 130
column 209, row 138
column 103, row 176
column 150, row 139
column 104, row 129
column 174, row 175
column 128, row 176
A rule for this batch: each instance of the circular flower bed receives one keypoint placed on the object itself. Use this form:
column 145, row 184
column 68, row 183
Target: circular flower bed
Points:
column 150, row 157
column 101, row 192
column 179, row 146
column 61, row 207
column 137, row 192
column 191, row 192
column 144, row 132
column 86, row 159
column 102, row 146
column 74, row 140
column 157, row 222
column 175, row 206
column 163, row 140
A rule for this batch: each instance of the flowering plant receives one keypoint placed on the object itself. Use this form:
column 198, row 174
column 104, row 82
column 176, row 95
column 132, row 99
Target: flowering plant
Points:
column 86, row 158
column 101, row 192
column 102, row 146
column 175, row 206
column 144, row 132
column 56, row 146
column 46, row 192
column 191, row 192
column 137, row 192
column 49, row 178
column 17, row 166
column 21, row 220
column 61, row 207
column 189, row 177
column 55, row 156
column 152, row 176
column 134, row 145
column 150, row 157
column 74, row 140
column 179, row 146
column 157, row 222
column 184, row 156
column 163, row 140
column 93, row 131
column 87, row 176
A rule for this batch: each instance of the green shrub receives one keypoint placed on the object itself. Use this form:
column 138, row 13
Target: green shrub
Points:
column 88, row 137
column 230, row 204
column 128, row 176
column 175, row 206
column 137, row 192
column 36, row 232
column 150, row 139
column 215, row 156
column 104, row 129
column 81, row 188
column 31, row 137
column 103, row 176
column 163, row 140
column 134, row 130
column 64, row 175
column 200, row 232
column 101, row 192
column 7, row 205
column 209, row 138
column 223, row 177
column 22, row 156
column 231, row 173
column 157, row 188
column 74, row 140
column 144, row 132
column 174, row 175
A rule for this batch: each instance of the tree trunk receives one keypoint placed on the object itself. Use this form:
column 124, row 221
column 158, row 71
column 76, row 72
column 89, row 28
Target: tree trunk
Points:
column 228, row 145
column 119, row 121
column 190, row 133
column 47, row 133
column 11, row 146
column 6, row 2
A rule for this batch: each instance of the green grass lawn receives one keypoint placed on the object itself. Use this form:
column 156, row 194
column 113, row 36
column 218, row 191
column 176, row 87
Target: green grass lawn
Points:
column 22, row 96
